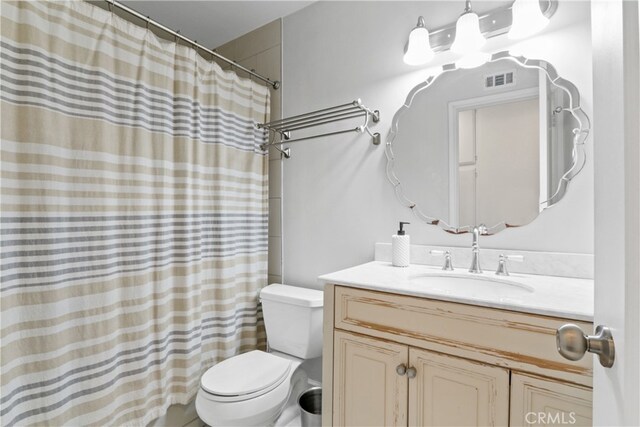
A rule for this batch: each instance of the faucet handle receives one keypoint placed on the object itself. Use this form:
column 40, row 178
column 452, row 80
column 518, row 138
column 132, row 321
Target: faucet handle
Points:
column 502, row 263
column 447, row 258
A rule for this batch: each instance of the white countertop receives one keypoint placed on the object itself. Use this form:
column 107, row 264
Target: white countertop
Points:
column 564, row 297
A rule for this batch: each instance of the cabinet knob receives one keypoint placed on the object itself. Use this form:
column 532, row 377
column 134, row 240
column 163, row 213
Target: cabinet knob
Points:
column 411, row 372
column 401, row 369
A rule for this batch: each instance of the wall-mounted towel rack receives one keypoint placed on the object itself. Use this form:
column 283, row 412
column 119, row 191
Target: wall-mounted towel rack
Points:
column 351, row 110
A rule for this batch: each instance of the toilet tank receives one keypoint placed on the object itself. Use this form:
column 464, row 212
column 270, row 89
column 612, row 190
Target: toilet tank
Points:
column 293, row 319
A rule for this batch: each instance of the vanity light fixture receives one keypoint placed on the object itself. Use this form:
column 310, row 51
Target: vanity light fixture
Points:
column 527, row 19
column 469, row 39
column 418, row 49
column 466, row 37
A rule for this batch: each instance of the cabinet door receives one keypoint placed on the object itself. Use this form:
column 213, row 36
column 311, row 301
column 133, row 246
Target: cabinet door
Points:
column 542, row 402
column 449, row 391
column 367, row 389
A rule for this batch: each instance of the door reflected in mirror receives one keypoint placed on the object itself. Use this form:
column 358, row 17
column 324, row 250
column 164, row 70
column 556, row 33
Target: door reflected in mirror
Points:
column 498, row 172
column 492, row 145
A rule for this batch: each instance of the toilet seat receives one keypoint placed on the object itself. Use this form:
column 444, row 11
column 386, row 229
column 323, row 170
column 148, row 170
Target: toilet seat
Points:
column 237, row 400
column 245, row 376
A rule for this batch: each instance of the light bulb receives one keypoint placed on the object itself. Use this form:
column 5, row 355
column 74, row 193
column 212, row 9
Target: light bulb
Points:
column 527, row 19
column 469, row 39
column 418, row 50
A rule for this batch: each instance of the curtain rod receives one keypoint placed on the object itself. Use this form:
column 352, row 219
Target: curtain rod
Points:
column 273, row 83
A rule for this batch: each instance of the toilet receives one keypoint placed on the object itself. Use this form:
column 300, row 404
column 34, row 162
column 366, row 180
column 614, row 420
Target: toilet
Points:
column 251, row 389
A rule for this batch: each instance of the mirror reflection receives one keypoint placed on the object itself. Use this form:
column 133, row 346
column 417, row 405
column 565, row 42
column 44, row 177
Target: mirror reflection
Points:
column 493, row 145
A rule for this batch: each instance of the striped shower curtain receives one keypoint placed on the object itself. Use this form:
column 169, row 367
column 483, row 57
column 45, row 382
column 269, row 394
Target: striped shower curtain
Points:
column 134, row 217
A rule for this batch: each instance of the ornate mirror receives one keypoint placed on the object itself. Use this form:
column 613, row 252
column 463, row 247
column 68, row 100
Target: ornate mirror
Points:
column 492, row 145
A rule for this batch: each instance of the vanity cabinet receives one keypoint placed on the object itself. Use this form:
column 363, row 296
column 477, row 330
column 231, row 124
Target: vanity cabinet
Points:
column 450, row 391
column 369, row 391
column 398, row 360
column 540, row 401
column 372, row 383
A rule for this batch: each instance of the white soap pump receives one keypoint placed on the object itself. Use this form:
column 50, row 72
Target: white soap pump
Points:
column 400, row 245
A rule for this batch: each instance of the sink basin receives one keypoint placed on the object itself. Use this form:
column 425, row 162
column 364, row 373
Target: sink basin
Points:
column 471, row 285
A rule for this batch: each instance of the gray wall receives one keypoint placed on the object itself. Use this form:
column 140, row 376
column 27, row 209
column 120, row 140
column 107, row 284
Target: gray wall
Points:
column 337, row 202
column 260, row 50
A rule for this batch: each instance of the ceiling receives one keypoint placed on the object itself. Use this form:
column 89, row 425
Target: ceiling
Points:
column 213, row 23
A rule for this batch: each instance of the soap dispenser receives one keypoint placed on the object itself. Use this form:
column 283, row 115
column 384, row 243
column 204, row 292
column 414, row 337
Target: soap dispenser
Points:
column 400, row 248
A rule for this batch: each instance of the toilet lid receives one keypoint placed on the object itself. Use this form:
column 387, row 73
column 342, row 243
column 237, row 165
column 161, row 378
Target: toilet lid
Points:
column 246, row 373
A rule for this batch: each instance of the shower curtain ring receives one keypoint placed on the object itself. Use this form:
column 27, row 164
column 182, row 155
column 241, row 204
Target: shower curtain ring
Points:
column 176, row 36
column 148, row 19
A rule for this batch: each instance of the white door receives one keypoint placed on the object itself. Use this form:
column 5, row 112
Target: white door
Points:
column 615, row 39
column 496, row 145
column 507, row 166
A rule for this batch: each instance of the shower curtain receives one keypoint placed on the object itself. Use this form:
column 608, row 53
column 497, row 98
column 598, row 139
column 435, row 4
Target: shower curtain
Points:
column 134, row 217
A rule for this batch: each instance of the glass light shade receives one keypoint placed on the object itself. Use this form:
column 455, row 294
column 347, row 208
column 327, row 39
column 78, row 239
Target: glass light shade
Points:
column 469, row 39
column 472, row 60
column 527, row 19
column 418, row 49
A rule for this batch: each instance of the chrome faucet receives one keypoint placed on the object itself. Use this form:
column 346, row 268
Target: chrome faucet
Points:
column 475, row 249
column 447, row 258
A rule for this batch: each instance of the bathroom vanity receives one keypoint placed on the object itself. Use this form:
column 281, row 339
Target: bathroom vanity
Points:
column 425, row 346
column 421, row 346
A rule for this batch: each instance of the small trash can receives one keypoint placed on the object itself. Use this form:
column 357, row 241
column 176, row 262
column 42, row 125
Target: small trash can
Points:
column 310, row 403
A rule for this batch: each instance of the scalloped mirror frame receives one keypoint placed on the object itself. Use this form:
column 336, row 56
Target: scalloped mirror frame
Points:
column 578, row 153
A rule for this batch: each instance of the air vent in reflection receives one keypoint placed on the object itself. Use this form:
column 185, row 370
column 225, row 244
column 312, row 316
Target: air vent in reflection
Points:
column 499, row 80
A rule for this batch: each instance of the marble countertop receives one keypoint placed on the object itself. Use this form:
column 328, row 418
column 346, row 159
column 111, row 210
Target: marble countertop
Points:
column 564, row 297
